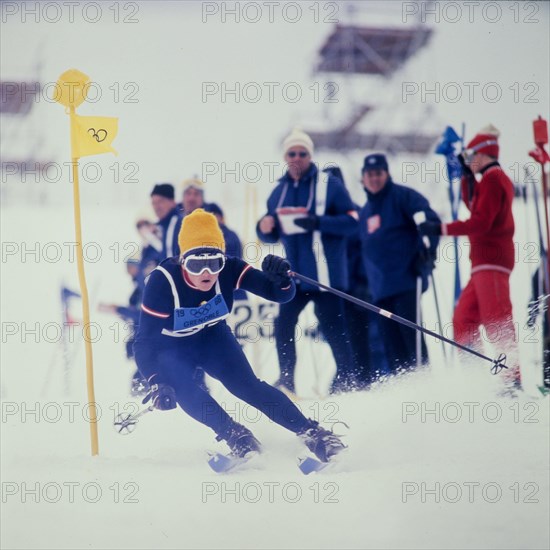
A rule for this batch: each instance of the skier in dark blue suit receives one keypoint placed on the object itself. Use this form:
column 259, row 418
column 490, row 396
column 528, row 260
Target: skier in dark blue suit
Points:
column 312, row 214
column 395, row 256
column 182, row 327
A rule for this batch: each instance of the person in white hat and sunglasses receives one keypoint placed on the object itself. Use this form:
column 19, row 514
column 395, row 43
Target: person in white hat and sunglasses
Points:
column 311, row 213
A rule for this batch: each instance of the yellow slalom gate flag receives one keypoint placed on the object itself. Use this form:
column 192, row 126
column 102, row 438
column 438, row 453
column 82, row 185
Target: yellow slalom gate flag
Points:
column 93, row 135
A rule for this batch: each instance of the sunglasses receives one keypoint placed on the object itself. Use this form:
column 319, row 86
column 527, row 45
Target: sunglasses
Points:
column 197, row 263
column 301, row 154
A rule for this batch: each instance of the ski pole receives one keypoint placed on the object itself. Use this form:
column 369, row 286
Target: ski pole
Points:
column 418, row 342
column 540, row 155
column 126, row 423
column 419, row 218
column 438, row 311
column 543, row 252
column 498, row 364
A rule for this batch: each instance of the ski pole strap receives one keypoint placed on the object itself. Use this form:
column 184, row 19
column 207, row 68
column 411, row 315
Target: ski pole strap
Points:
column 498, row 364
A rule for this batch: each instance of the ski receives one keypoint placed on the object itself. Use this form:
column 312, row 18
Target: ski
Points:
column 309, row 465
column 222, row 463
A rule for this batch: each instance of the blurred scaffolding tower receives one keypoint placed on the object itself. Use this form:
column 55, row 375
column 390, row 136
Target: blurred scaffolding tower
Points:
column 353, row 50
column 23, row 140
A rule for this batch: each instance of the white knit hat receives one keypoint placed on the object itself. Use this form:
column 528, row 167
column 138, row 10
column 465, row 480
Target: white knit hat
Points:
column 298, row 137
column 195, row 182
column 491, row 130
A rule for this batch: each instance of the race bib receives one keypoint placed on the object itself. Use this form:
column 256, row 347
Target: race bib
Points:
column 288, row 215
column 193, row 319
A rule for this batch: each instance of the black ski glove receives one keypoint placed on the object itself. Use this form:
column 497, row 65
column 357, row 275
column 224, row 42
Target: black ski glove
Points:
column 163, row 396
column 276, row 270
column 309, row 223
column 430, row 229
column 466, row 170
column 424, row 262
column 468, row 174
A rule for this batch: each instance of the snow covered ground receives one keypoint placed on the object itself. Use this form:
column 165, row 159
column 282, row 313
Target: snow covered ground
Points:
column 404, row 484
column 436, row 460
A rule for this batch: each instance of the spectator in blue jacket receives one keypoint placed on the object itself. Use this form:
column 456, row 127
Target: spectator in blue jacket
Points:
column 359, row 320
column 169, row 218
column 193, row 198
column 395, row 256
column 311, row 212
column 232, row 242
column 151, row 248
column 233, row 247
column 130, row 315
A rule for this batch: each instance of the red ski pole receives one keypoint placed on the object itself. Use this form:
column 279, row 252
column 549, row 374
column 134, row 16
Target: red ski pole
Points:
column 540, row 131
column 539, row 154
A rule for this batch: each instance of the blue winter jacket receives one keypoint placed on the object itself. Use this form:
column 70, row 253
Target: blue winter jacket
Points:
column 170, row 226
column 358, row 282
column 233, row 245
column 233, row 249
column 391, row 241
column 337, row 222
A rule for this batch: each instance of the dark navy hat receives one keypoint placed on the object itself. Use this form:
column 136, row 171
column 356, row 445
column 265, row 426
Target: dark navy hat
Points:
column 164, row 190
column 213, row 208
column 377, row 161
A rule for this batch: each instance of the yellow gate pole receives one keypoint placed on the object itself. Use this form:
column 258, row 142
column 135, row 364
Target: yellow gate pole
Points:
column 71, row 90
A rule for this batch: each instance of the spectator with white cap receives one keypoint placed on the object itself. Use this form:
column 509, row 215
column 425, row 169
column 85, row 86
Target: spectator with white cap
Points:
column 312, row 213
column 193, row 195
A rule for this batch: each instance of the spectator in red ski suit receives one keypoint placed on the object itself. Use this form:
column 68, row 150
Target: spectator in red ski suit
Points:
column 486, row 298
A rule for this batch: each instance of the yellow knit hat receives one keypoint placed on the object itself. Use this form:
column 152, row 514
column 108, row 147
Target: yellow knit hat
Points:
column 200, row 229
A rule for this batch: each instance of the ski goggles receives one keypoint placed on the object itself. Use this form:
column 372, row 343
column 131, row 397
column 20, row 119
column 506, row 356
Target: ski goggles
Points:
column 468, row 154
column 197, row 263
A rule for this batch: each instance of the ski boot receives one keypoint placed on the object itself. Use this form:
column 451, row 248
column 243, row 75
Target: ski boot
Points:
column 240, row 440
column 323, row 443
column 512, row 382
